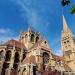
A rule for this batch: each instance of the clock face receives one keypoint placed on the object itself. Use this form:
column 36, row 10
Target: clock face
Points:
column 45, row 58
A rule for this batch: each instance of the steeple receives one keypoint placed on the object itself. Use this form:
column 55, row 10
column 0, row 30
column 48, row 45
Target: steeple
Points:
column 65, row 26
column 30, row 29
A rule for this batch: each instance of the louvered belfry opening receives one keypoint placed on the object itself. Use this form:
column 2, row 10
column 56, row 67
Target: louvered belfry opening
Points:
column 37, row 39
column 32, row 37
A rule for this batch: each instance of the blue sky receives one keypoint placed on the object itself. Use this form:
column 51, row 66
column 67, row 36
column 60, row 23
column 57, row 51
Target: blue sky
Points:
column 44, row 16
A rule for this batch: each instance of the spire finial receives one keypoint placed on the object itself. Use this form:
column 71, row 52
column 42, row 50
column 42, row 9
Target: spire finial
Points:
column 30, row 29
column 65, row 26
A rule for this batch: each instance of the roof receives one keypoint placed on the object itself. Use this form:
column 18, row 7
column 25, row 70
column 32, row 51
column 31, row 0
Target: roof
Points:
column 30, row 59
column 14, row 43
column 57, row 58
column 39, row 44
column 36, row 44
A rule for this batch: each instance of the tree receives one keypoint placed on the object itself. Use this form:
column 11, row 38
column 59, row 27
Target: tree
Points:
column 67, row 2
column 72, row 11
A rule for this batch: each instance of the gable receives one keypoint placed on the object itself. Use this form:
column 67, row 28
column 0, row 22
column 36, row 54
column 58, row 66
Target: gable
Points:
column 45, row 44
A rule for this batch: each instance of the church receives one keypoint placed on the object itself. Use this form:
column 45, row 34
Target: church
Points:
column 68, row 46
column 32, row 53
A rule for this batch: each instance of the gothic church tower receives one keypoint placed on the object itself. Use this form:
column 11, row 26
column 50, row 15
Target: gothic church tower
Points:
column 68, row 45
column 29, row 38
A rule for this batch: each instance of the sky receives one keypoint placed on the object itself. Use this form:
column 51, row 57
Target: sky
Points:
column 44, row 16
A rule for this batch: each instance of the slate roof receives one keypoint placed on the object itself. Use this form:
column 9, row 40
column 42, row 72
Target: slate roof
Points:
column 14, row 43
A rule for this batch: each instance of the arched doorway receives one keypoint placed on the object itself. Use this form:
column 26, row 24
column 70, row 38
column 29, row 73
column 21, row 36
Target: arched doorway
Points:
column 45, row 60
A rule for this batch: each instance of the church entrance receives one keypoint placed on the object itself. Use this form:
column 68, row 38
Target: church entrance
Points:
column 34, row 70
column 45, row 60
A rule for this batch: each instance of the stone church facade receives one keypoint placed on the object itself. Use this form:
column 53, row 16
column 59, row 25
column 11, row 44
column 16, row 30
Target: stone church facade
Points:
column 38, row 52
column 26, row 56
column 32, row 53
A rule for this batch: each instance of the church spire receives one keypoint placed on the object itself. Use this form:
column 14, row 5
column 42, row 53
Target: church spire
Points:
column 30, row 29
column 65, row 26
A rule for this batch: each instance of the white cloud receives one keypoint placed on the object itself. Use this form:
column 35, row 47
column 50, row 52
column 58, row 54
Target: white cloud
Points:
column 31, row 14
column 3, row 39
column 6, row 34
column 57, row 47
column 35, row 20
column 4, row 31
column 59, row 52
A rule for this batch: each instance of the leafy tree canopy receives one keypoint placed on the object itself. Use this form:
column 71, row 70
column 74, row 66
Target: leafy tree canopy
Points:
column 67, row 2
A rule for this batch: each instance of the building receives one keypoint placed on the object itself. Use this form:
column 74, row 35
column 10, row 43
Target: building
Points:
column 32, row 54
column 38, row 52
column 68, row 46
column 26, row 56
column 10, row 56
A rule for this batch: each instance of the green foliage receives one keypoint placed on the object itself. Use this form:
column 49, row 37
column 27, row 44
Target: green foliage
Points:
column 73, row 9
column 67, row 2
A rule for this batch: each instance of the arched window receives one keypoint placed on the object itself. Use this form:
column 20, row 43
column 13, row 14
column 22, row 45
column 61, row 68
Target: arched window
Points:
column 8, row 55
column 6, row 64
column 16, row 57
column 16, row 60
column 37, row 39
column 45, row 58
column 1, row 54
column 26, row 36
column 32, row 38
